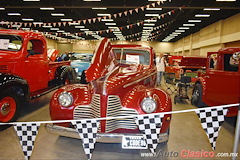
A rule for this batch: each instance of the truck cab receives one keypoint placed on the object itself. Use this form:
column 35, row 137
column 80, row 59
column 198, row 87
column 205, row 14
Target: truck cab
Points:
column 26, row 71
column 220, row 84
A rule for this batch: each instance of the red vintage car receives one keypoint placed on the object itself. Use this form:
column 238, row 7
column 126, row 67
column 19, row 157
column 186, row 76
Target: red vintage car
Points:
column 185, row 64
column 122, row 80
column 220, row 84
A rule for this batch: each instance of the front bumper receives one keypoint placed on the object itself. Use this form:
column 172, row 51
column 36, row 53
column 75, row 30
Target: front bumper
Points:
column 101, row 137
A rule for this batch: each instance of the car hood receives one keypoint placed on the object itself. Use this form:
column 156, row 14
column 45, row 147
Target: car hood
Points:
column 52, row 54
column 104, row 61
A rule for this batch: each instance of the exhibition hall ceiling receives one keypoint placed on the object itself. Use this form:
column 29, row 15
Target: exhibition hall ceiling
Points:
column 133, row 20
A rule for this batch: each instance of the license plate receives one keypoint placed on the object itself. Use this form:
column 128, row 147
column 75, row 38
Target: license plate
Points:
column 133, row 142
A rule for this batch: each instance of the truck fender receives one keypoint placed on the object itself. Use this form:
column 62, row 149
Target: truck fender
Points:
column 65, row 75
column 14, row 92
column 16, row 83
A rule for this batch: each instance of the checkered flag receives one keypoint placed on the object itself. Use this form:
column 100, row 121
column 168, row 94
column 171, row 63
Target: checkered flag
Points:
column 27, row 134
column 150, row 126
column 212, row 120
column 87, row 130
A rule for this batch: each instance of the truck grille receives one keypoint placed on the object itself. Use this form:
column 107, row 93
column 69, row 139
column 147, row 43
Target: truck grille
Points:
column 114, row 109
column 3, row 68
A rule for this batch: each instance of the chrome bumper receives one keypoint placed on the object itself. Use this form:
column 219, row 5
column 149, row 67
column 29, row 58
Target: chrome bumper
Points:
column 101, row 137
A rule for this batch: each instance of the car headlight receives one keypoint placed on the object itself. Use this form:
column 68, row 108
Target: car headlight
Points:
column 148, row 105
column 65, row 99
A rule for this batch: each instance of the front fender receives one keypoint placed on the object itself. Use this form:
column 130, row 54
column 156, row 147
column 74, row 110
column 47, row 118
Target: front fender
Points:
column 81, row 96
column 18, row 84
column 135, row 97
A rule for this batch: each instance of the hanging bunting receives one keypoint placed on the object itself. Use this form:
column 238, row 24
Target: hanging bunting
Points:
column 149, row 126
column 27, row 134
column 130, row 11
column 211, row 121
column 87, row 130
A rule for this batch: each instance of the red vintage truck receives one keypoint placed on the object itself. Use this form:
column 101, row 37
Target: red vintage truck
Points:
column 26, row 71
column 220, row 84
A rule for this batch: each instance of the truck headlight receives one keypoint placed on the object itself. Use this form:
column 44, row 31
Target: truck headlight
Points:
column 148, row 105
column 65, row 99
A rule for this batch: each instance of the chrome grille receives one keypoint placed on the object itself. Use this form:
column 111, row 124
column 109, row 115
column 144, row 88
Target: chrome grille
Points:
column 88, row 111
column 115, row 109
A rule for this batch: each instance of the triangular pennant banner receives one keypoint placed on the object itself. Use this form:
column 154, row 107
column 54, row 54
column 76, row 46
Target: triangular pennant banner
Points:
column 87, row 130
column 27, row 134
column 212, row 120
column 150, row 126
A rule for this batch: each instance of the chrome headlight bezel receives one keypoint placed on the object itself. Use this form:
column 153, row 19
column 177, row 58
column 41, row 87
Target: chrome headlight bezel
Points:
column 148, row 105
column 65, row 99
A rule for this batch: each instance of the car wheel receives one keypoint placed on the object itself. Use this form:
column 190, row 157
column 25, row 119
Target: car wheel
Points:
column 10, row 106
column 197, row 96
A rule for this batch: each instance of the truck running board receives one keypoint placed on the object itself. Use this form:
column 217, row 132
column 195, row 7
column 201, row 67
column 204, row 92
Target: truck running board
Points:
column 43, row 92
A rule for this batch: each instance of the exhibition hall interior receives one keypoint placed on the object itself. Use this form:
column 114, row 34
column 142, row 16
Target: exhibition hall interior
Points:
column 119, row 80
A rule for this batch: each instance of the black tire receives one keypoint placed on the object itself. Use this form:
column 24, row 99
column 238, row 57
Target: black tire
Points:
column 197, row 96
column 10, row 107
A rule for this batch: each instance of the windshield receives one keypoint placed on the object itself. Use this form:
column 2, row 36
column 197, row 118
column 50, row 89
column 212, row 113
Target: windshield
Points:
column 10, row 42
column 82, row 57
column 132, row 56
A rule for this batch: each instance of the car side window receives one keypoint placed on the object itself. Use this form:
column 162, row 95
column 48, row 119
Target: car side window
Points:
column 229, row 64
column 35, row 47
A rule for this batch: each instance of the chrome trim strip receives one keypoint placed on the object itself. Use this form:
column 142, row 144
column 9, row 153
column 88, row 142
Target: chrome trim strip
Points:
column 101, row 137
column 126, row 85
column 106, row 79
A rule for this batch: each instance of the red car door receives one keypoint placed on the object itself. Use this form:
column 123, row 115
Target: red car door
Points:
column 223, row 83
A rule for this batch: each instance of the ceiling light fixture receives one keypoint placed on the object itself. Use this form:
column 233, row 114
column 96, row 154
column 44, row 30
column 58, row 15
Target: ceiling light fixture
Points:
column 106, row 20
column 183, row 28
column 1, row 8
column 79, row 27
column 103, row 14
column 67, row 20
column 14, row 14
column 47, row 8
column 155, row 0
column 57, row 14
column 110, row 24
column 188, row 25
column 150, row 20
column 194, row 21
column 152, row 15
column 91, row 0
column 47, row 26
column 202, row 15
column 154, row 9
column 211, row 9
column 27, row 19
column 225, row 0
column 100, row 8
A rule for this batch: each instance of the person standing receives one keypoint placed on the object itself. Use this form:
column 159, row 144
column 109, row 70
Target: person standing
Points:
column 160, row 64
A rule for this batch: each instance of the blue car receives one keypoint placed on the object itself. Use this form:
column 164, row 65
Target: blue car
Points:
column 80, row 62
